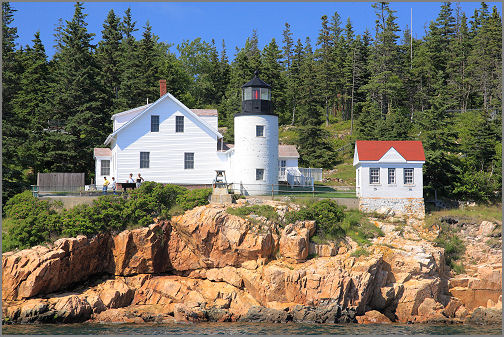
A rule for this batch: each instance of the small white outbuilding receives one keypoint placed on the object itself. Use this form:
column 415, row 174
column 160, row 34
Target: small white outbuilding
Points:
column 389, row 176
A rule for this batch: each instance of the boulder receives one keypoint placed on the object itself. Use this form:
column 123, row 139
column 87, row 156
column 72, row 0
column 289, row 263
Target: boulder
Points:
column 373, row 317
column 295, row 240
column 209, row 237
column 70, row 309
column 486, row 228
column 42, row 270
column 141, row 251
column 326, row 249
column 262, row 314
column 115, row 294
column 485, row 316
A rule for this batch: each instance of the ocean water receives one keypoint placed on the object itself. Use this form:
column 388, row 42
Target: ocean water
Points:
column 249, row 329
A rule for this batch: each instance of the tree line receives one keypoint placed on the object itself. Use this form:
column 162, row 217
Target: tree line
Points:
column 444, row 89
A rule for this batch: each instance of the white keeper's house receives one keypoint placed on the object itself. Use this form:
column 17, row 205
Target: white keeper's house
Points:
column 167, row 142
column 389, row 175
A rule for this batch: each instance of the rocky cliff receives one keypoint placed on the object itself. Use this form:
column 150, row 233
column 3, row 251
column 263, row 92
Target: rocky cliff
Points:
column 210, row 265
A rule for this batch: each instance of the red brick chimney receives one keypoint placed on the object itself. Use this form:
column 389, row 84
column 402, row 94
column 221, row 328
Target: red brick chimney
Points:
column 162, row 87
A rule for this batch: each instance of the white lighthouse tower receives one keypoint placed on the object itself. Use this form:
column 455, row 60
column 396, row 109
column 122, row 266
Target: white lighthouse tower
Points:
column 255, row 159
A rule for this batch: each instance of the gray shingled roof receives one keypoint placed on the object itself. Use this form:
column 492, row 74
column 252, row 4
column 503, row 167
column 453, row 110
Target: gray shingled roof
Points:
column 102, row 152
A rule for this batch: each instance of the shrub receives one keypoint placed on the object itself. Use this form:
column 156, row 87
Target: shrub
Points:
column 29, row 221
column 151, row 200
column 453, row 246
column 193, row 198
column 327, row 215
column 266, row 211
column 360, row 252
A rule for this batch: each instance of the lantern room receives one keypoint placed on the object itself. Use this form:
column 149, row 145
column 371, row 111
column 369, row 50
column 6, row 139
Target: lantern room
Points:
column 256, row 97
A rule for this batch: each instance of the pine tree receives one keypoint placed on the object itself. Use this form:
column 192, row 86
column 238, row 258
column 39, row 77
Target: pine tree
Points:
column 149, row 59
column 325, row 63
column 78, row 98
column 294, row 80
column 32, row 108
column 272, row 74
column 384, row 83
column 13, row 130
column 129, row 66
column 309, row 112
column 109, row 55
column 485, row 62
column 287, row 47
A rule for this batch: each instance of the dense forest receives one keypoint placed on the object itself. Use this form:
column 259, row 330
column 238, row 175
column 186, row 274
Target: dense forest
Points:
column 443, row 89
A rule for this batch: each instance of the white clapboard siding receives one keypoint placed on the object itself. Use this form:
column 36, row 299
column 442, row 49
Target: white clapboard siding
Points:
column 210, row 120
column 167, row 148
column 123, row 117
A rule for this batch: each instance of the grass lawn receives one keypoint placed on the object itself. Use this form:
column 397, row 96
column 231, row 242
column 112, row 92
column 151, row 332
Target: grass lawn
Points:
column 321, row 191
column 477, row 213
column 344, row 171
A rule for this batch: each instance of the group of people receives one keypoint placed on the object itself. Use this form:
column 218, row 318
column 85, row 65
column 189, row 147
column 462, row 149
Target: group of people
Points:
column 106, row 183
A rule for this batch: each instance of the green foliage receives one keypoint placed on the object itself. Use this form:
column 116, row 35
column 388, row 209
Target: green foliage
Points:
column 260, row 210
column 360, row 252
column 314, row 147
column 30, row 221
column 193, row 198
column 453, row 246
column 55, row 111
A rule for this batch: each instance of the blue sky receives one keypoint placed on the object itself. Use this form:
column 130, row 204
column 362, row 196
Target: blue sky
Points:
column 174, row 22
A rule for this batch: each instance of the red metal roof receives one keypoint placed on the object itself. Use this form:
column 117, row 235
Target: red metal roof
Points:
column 411, row 150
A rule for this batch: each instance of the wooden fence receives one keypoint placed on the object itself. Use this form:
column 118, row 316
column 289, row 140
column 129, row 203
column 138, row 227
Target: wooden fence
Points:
column 60, row 182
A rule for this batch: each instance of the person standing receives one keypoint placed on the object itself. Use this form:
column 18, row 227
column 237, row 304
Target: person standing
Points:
column 139, row 181
column 114, row 185
column 105, row 185
column 131, row 180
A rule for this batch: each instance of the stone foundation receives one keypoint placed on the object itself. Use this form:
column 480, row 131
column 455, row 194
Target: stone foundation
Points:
column 411, row 207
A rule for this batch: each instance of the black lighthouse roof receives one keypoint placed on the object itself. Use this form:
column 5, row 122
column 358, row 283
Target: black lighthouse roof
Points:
column 256, row 82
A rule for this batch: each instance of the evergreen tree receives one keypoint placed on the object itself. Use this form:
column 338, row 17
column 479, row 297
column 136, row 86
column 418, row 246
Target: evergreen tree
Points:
column 294, row 80
column 486, row 62
column 309, row 112
column 149, row 59
column 13, row 130
column 78, row 99
column 272, row 74
column 129, row 66
column 31, row 106
column 109, row 55
column 287, row 47
column 384, row 83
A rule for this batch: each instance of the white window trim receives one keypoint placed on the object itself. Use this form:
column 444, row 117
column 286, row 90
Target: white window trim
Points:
column 412, row 176
column 148, row 161
column 393, row 183
column 370, row 175
column 193, row 156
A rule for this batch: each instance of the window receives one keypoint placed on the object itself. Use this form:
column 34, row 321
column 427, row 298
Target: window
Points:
column 105, row 167
column 391, row 176
column 255, row 93
column 154, row 123
column 408, row 176
column 188, row 160
column 374, row 175
column 283, row 164
column 259, row 130
column 265, row 94
column 259, row 174
column 247, row 93
column 144, row 159
column 179, row 123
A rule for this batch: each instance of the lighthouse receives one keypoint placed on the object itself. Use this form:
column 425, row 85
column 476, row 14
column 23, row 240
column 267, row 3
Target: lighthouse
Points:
column 255, row 160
